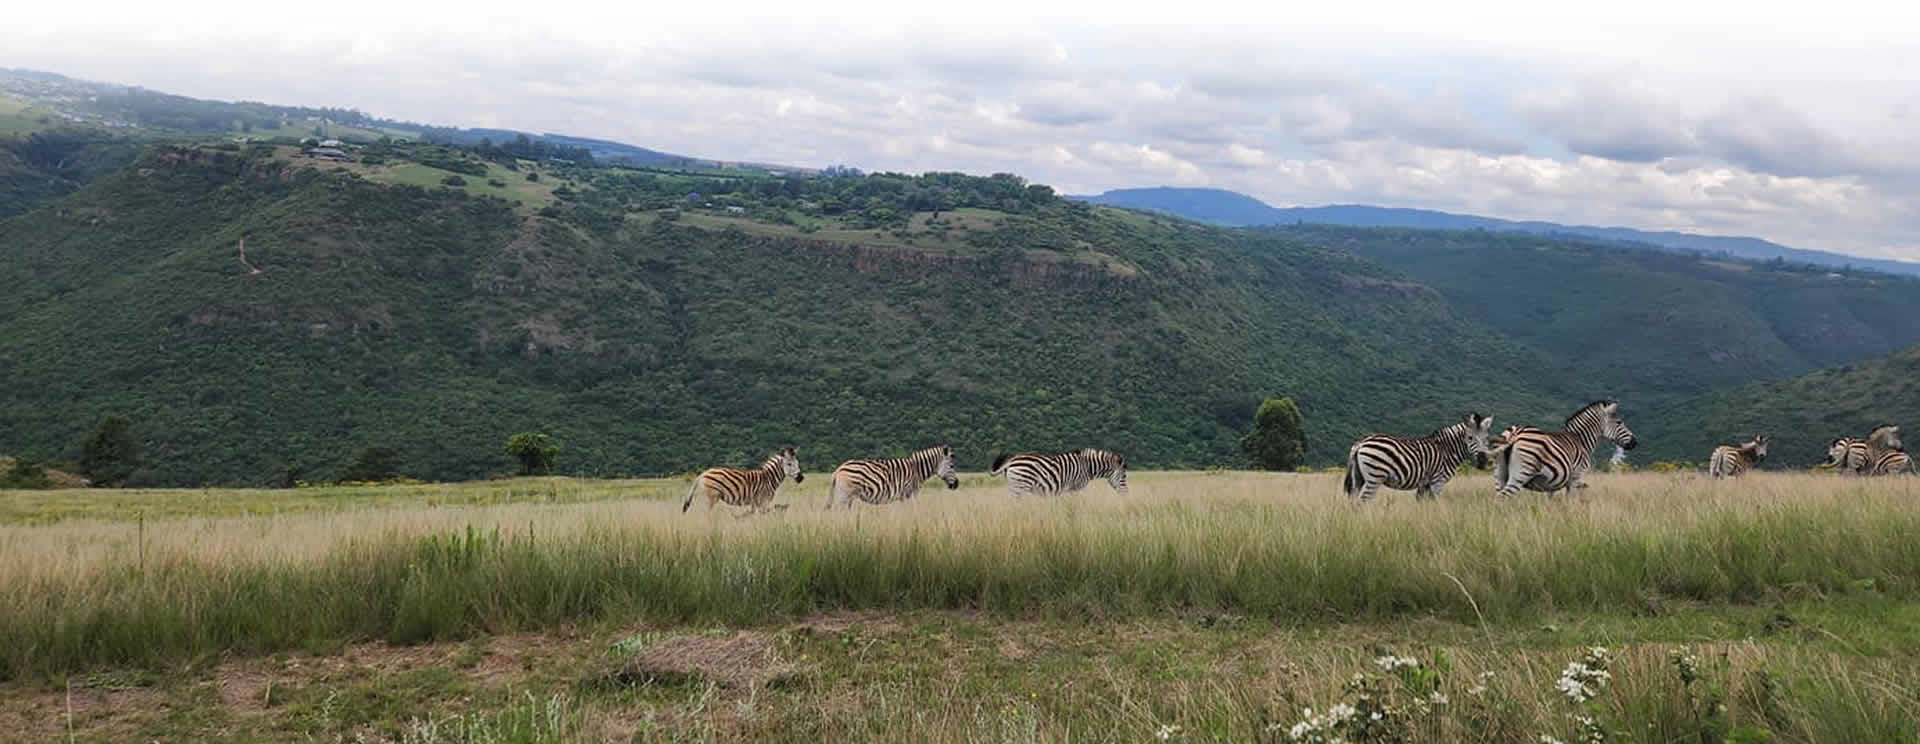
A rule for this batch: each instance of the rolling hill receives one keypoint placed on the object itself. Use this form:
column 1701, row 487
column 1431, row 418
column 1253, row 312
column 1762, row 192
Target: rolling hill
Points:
column 1802, row 414
column 1224, row 207
column 1646, row 325
column 660, row 339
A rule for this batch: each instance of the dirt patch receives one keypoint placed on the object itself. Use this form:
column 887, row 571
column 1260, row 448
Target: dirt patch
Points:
column 740, row 660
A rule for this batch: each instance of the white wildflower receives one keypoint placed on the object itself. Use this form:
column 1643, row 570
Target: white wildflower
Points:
column 1545, row 739
column 1340, row 712
column 1166, row 732
column 1391, row 662
column 1437, row 698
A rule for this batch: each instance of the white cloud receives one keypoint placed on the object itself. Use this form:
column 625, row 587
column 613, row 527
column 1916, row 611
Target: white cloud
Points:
column 1791, row 127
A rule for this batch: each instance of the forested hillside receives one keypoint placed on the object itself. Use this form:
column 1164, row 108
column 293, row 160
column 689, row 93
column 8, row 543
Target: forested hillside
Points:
column 843, row 315
column 1802, row 414
column 1648, row 326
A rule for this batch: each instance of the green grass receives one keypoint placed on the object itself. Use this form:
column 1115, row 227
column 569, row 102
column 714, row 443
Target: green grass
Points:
column 1280, row 547
column 47, row 507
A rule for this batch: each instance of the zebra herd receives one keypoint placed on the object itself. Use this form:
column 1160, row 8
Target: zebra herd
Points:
column 884, row 481
column 1521, row 457
column 1554, row 461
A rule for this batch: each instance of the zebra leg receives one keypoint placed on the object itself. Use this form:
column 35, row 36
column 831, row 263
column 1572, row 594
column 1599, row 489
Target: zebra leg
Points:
column 1433, row 489
column 1367, row 488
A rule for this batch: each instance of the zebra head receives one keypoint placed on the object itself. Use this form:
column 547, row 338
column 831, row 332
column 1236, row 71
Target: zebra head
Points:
column 945, row 468
column 1477, row 427
column 1118, row 478
column 1886, row 437
column 1759, row 447
column 1615, row 428
column 789, row 463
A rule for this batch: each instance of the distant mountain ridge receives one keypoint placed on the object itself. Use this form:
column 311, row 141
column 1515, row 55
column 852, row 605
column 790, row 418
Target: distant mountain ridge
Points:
column 1224, row 207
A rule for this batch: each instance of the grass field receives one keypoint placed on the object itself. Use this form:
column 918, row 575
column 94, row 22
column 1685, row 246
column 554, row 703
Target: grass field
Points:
column 1206, row 607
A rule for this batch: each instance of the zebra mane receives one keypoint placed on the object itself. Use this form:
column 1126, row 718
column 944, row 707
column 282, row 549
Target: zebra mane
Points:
column 1588, row 407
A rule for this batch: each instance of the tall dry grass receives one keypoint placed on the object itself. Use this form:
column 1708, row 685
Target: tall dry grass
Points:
column 76, row 594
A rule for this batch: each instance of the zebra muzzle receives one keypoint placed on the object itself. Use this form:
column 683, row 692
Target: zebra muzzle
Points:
column 953, row 483
column 799, row 477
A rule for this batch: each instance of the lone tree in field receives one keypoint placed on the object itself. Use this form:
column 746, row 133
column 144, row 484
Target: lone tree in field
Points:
column 534, row 451
column 1279, row 437
column 373, row 465
column 110, row 454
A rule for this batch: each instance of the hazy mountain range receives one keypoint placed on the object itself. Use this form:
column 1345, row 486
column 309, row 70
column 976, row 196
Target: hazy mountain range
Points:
column 1223, row 207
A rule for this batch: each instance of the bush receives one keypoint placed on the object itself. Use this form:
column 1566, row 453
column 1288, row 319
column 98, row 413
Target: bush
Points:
column 25, row 473
column 454, row 181
column 534, row 451
column 1279, row 439
column 496, row 183
column 373, row 465
column 111, row 453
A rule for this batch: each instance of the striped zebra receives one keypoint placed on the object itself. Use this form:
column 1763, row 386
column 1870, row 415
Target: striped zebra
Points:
column 1728, row 460
column 887, row 481
column 1051, row 473
column 753, row 489
column 1551, row 461
column 1880, row 453
column 1422, row 465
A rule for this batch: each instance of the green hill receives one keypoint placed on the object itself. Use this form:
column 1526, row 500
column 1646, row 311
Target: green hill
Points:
column 842, row 315
column 1645, row 325
column 1802, row 414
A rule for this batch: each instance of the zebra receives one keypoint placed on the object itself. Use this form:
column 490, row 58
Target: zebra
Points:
column 887, row 481
column 1878, row 454
column 753, row 489
column 1554, row 460
column 1422, row 465
column 1050, row 473
column 1728, row 461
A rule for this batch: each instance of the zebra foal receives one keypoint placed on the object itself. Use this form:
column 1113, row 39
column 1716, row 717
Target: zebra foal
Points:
column 753, row 489
column 1728, row 461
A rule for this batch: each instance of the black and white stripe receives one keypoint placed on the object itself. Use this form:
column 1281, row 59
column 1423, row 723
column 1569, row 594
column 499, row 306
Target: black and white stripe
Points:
column 1728, row 460
column 1554, row 460
column 753, row 489
column 1049, row 473
column 1881, row 453
column 1422, row 465
column 887, row 481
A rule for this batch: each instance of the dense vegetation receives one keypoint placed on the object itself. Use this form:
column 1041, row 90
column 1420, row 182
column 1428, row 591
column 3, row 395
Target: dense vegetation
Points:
column 437, row 324
column 1644, row 325
column 1802, row 414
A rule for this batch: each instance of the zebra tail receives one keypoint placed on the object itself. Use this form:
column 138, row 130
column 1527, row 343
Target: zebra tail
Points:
column 1351, row 484
column 690, row 492
column 999, row 463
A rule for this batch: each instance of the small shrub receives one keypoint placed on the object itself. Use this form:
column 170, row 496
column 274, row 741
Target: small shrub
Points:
column 454, row 180
column 496, row 183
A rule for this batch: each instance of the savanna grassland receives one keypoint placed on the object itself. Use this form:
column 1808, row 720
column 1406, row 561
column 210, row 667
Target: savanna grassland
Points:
column 1203, row 607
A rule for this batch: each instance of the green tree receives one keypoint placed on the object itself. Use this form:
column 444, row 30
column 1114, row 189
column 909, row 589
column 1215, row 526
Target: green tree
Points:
column 1279, row 438
column 534, row 451
column 111, row 453
column 372, row 465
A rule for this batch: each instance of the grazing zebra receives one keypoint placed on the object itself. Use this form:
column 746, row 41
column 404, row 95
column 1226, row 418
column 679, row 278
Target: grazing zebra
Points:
column 1554, row 460
column 754, row 489
column 887, row 481
column 1729, row 461
column 1050, row 473
column 1878, row 454
column 1422, row 465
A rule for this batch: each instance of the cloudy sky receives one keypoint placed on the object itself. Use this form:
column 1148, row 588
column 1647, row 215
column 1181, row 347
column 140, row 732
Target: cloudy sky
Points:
column 1728, row 120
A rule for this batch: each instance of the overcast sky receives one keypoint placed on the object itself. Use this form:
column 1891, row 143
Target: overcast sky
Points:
column 1731, row 120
